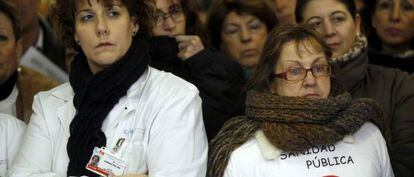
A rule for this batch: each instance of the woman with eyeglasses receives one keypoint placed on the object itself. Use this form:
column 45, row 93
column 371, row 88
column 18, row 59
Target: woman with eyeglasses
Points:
column 179, row 46
column 299, row 122
column 339, row 24
column 139, row 120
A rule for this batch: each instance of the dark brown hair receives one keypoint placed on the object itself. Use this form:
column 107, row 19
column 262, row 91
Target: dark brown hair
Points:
column 12, row 14
column 193, row 25
column 263, row 75
column 63, row 16
column 221, row 8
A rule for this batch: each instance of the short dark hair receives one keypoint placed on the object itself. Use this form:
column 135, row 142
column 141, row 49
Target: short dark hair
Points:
column 63, row 15
column 13, row 16
column 221, row 8
column 263, row 75
column 301, row 4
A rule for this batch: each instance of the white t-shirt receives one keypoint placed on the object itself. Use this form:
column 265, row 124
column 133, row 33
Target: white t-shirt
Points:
column 11, row 132
column 361, row 154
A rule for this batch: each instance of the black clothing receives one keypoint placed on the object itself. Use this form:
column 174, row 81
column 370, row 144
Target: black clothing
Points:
column 7, row 87
column 218, row 79
column 52, row 48
column 405, row 64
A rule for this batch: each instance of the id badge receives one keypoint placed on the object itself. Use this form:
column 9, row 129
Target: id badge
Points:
column 105, row 163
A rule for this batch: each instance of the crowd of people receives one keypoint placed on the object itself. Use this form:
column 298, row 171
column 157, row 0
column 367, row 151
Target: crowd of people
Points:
column 207, row 88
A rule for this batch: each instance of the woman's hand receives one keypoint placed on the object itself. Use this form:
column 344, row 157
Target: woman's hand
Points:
column 189, row 45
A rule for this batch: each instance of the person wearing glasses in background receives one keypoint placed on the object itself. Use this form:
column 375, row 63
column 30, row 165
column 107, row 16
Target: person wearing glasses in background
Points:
column 299, row 121
column 179, row 46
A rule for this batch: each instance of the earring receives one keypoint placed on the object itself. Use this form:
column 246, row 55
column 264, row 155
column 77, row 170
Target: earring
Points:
column 77, row 42
column 134, row 33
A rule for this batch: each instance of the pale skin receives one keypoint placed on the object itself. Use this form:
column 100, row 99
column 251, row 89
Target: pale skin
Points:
column 188, row 45
column 310, row 87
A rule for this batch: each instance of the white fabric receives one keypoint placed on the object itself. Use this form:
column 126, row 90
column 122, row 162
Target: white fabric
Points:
column 363, row 154
column 8, row 105
column 11, row 132
column 35, row 59
column 160, row 117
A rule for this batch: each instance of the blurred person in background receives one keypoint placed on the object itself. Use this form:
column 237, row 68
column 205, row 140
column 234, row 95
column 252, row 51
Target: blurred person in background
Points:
column 18, row 84
column 390, row 33
column 285, row 11
column 41, row 49
column 180, row 45
column 239, row 28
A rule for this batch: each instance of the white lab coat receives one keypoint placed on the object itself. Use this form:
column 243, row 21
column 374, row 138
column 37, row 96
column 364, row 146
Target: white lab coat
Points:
column 362, row 154
column 11, row 133
column 160, row 118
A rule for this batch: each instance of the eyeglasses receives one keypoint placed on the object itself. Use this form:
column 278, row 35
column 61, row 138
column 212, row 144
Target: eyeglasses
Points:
column 176, row 14
column 300, row 73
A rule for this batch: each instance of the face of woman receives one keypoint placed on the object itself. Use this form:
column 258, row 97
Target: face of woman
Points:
column 393, row 21
column 169, row 18
column 334, row 22
column 104, row 33
column 285, row 11
column 243, row 37
column 292, row 62
column 10, row 49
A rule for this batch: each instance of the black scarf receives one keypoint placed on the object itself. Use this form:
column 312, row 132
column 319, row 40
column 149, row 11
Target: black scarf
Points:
column 95, row 96
column 7, row 87
column 164, row 50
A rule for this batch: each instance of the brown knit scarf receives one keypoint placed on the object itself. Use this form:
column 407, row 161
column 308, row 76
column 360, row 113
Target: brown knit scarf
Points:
column 293, row 124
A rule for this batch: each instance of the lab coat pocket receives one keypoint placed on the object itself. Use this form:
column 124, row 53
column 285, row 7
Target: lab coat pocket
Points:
column 135, row 155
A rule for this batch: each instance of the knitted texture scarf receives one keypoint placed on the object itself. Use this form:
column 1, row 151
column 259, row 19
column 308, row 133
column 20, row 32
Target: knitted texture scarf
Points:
column 293, row 124
column 358, row 47
column 95, row 96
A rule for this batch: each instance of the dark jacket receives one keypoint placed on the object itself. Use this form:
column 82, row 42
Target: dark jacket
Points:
column 218, row 79
column 405, row 64
column 394, row 91
column 52, row 48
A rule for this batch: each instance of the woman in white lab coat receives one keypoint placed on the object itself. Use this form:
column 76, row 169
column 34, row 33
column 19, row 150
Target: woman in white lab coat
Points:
column 11, row 132
column 113, row 95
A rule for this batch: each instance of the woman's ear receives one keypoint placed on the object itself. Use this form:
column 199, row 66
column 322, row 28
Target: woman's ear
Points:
column 135, row 25
column 19, row 50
